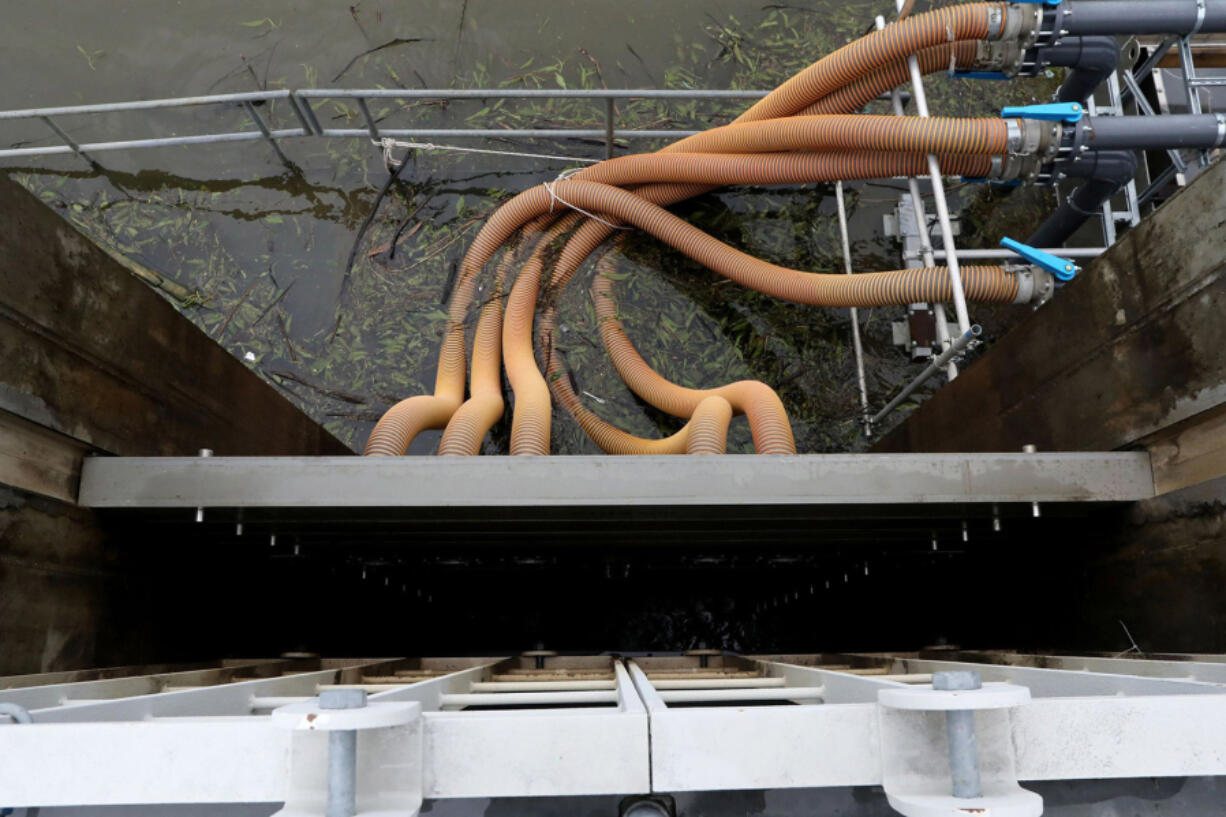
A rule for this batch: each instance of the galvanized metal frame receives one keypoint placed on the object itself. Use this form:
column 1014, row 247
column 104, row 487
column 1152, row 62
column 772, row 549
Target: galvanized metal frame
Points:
column 1117, row 97
column 814, row 479
column 302, row 105
column 1092, row 718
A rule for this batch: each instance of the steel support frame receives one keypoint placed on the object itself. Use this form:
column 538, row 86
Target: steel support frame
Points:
column 1108, row 718
column 816, row 479
column 301, row 104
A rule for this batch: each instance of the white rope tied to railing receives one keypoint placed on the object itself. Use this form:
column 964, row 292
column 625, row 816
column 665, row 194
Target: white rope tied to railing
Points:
column 554, row 198
column 389, row 144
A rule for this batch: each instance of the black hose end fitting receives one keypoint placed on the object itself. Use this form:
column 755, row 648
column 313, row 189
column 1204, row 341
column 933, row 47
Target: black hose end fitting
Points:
column 1105, row 172
column 1096, row 58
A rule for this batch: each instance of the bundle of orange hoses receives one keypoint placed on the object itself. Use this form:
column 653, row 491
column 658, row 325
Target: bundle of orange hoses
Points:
column 803, row 131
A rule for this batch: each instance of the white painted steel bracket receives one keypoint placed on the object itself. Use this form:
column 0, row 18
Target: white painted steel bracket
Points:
column 915, row 767
column 389, row 757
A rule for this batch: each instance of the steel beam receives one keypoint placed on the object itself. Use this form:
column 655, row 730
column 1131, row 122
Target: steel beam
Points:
column 139, row 698
column 1209, row 672
column 1052, row 683
column 299, row 482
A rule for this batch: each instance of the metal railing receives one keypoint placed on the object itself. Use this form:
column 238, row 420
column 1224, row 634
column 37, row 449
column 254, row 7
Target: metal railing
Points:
column 1117, row 98
column 303, row 105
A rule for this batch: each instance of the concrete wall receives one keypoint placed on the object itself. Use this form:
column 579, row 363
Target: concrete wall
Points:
column 1129, row 349
column 1130, row 355
column 93, row 361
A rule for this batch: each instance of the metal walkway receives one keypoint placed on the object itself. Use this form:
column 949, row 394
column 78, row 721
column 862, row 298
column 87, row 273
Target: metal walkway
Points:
column 543, row 725
column 545, row 482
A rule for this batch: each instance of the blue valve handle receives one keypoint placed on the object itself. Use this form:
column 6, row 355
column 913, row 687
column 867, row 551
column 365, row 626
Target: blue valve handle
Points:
column 1062, row 268
column 1039, row 2
column 1050, row 112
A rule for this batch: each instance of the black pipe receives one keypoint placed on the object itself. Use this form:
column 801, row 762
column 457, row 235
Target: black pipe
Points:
column 1140, row 16
column 1105, row 171
column 1169, row 131
column 1092, row 59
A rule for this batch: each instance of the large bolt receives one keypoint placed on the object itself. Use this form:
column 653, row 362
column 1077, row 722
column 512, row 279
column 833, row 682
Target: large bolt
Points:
column 960, row 728
column 1030, row 448
column 204, row 452
column 342, row 754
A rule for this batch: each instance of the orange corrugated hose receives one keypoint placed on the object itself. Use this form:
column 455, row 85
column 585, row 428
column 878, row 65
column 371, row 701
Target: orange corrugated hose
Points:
column 471, row 421
column 854, row 64
column 895, row 42
column 532, row 419
column 530, row 429
column 639, row 376
column 983, row 284
column 856, row 95
column 768, row 420
column 897, row 134
column 705, row 433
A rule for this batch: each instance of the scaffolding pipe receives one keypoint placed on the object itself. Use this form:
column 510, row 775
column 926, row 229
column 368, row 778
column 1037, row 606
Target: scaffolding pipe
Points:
column 1148, row 17
column 1169, row 131
column 960, row 343
column 1106, row 172
column 717, row 683
column 921, row 226
column 857, row 347
column 1090, row 61
column 941, row 205
column 694, row 696
column 570, row 698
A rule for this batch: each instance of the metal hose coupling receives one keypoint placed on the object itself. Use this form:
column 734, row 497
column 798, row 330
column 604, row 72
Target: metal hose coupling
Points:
column 1021, row 23
column 1044, row 273
column 1035, row 285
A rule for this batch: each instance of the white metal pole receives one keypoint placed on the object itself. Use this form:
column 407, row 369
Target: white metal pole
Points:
column 938, row 198
column 921, row 225
column 855, row 315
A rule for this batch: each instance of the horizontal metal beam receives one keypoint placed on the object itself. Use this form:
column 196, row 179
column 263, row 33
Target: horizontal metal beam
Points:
column 527, row 93
column 351, row 482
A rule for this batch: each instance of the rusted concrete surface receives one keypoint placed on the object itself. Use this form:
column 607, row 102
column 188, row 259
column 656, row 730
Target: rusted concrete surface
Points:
column 1160, row 572
column 91, row 353
column 1131, row 355
column 1133, row 346
column 65, row 600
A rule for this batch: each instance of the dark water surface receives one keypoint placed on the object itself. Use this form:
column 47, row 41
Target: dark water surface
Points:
column 264, row 248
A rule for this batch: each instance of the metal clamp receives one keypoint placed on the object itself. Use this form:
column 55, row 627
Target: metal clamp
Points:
column 331, row 778
column 920, row 780
column 1200, row 17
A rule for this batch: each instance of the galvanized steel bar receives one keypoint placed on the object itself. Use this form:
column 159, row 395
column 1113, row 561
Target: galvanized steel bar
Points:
column 259, row 123
column 938, row 197
column 997, row 254
column 954, row 349
column 497, row 133
column 144, row 105
column 527, row 93
column 609, row 111
column 779, row 693
column 161, row 142
column 921, row 227
column 314, row 482
column 372, row 126
column 566, row 697
column 857, row 347
column 73, row 146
